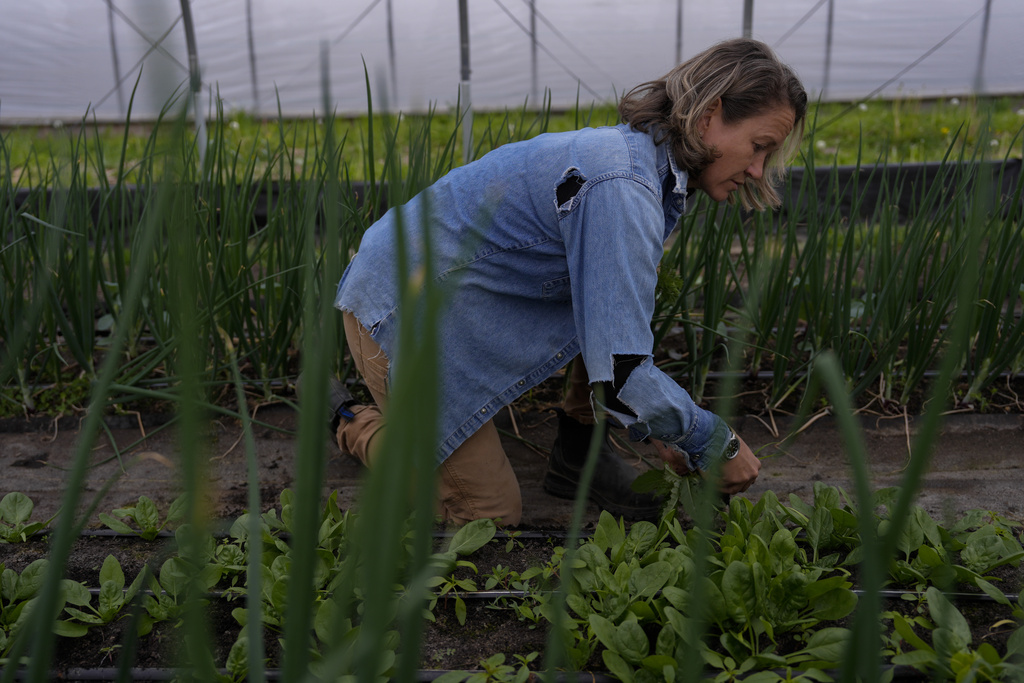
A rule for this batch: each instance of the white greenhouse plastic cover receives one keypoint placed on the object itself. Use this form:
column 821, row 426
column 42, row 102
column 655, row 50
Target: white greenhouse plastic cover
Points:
column 60, row 59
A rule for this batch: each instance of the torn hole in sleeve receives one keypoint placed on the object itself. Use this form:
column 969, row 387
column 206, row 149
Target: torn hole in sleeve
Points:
column 623, row 367
column 568, row 187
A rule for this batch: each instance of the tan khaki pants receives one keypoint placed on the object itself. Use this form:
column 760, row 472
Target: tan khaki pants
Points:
column 475, row 481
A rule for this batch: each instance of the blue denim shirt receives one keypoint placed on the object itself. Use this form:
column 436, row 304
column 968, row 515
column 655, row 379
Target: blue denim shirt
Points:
column 536, row 281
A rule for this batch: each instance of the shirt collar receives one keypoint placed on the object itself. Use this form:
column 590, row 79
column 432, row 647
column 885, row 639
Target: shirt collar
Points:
column 681, row 176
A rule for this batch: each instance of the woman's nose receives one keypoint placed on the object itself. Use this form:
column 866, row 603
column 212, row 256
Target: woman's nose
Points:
column 756, row 168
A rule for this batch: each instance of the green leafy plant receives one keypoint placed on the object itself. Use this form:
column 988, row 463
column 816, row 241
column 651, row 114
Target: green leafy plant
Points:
column 113, row 597
column 169, row 591
column 15, row 513
column 950, row 654
column 146, row 517
column 494, row 670
column 18, row 597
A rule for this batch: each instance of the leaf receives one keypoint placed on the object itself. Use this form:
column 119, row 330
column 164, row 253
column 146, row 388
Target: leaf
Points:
column 116, row 524
column 906, row 631
column 643, row 611
column 992, row 591
column 111, row 599
column 452, row 677
column 136, row 584
column 147, row 516
column 947, row 616
column 69, row 629
column 1015, row 645
column 578, row 605
column 632, row 641
column 648, row 480
column 8, row 585
column 666, row 641
column 827, row 644
column 323, row 622
column 604, row 630
column 819, row 528
column 835, row 604
column 650, row 579
column 174, row 576
column 31, row 579
column 74, row 592
column 657, row 663
column 472, row 536
column 178, row 509
column 677, row 597
column 460, row 610
column 16, row 508
column 608, row 533
column 680, row 625
column 618, row 667
column 738, row 591
column 84, row 617
column 843, row 520
column 782, row 550
column 642, row 535
column 825, row 496
column 948, row 643
column 111, row 571
column 712, row 602
column 238, row 658
column 919, row 659
column 928, row 527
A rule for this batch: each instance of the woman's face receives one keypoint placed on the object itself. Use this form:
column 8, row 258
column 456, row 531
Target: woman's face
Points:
column 742, row 147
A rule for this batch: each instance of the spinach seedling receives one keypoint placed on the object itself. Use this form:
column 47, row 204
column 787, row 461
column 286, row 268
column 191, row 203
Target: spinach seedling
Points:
column 15, row 512
column 113, row 596
column 145, row 516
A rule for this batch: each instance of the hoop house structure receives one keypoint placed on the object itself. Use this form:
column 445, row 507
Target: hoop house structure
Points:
column 62, row 58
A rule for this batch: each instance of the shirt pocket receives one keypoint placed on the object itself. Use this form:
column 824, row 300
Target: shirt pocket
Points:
column 558, row 289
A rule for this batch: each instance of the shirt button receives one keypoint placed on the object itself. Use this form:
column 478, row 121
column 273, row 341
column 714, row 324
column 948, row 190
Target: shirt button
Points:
column 522, row 382
column 483, row 411
column 559, row 355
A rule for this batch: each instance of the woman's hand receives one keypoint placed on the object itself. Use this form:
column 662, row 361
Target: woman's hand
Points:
column 735, row 476
column 672, row 457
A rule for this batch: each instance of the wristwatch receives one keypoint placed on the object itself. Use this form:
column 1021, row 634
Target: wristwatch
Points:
column 732, row 446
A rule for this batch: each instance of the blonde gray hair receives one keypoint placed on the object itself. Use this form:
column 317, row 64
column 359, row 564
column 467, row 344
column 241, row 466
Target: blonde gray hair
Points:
column 749, row 80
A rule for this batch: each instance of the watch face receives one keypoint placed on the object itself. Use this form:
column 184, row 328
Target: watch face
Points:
column 732, row 447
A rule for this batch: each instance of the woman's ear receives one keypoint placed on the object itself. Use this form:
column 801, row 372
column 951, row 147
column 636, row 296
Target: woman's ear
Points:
column 711, row 112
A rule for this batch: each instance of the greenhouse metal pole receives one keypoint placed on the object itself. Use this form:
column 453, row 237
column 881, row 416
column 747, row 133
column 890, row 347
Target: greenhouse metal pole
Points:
column 252, row 57
column 979, row 76
column 113, row 53
column 679, row 31
column 464, row 99
column 391, row 57
column 195, row 80
column 828, row 47
column 748, row 18
column 533, row 50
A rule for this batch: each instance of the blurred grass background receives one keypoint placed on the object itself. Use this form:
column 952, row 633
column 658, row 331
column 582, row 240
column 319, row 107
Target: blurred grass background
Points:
column 896, row 131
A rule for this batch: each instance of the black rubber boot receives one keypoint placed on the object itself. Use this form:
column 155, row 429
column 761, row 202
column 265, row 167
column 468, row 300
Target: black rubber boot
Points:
column 610, row 488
